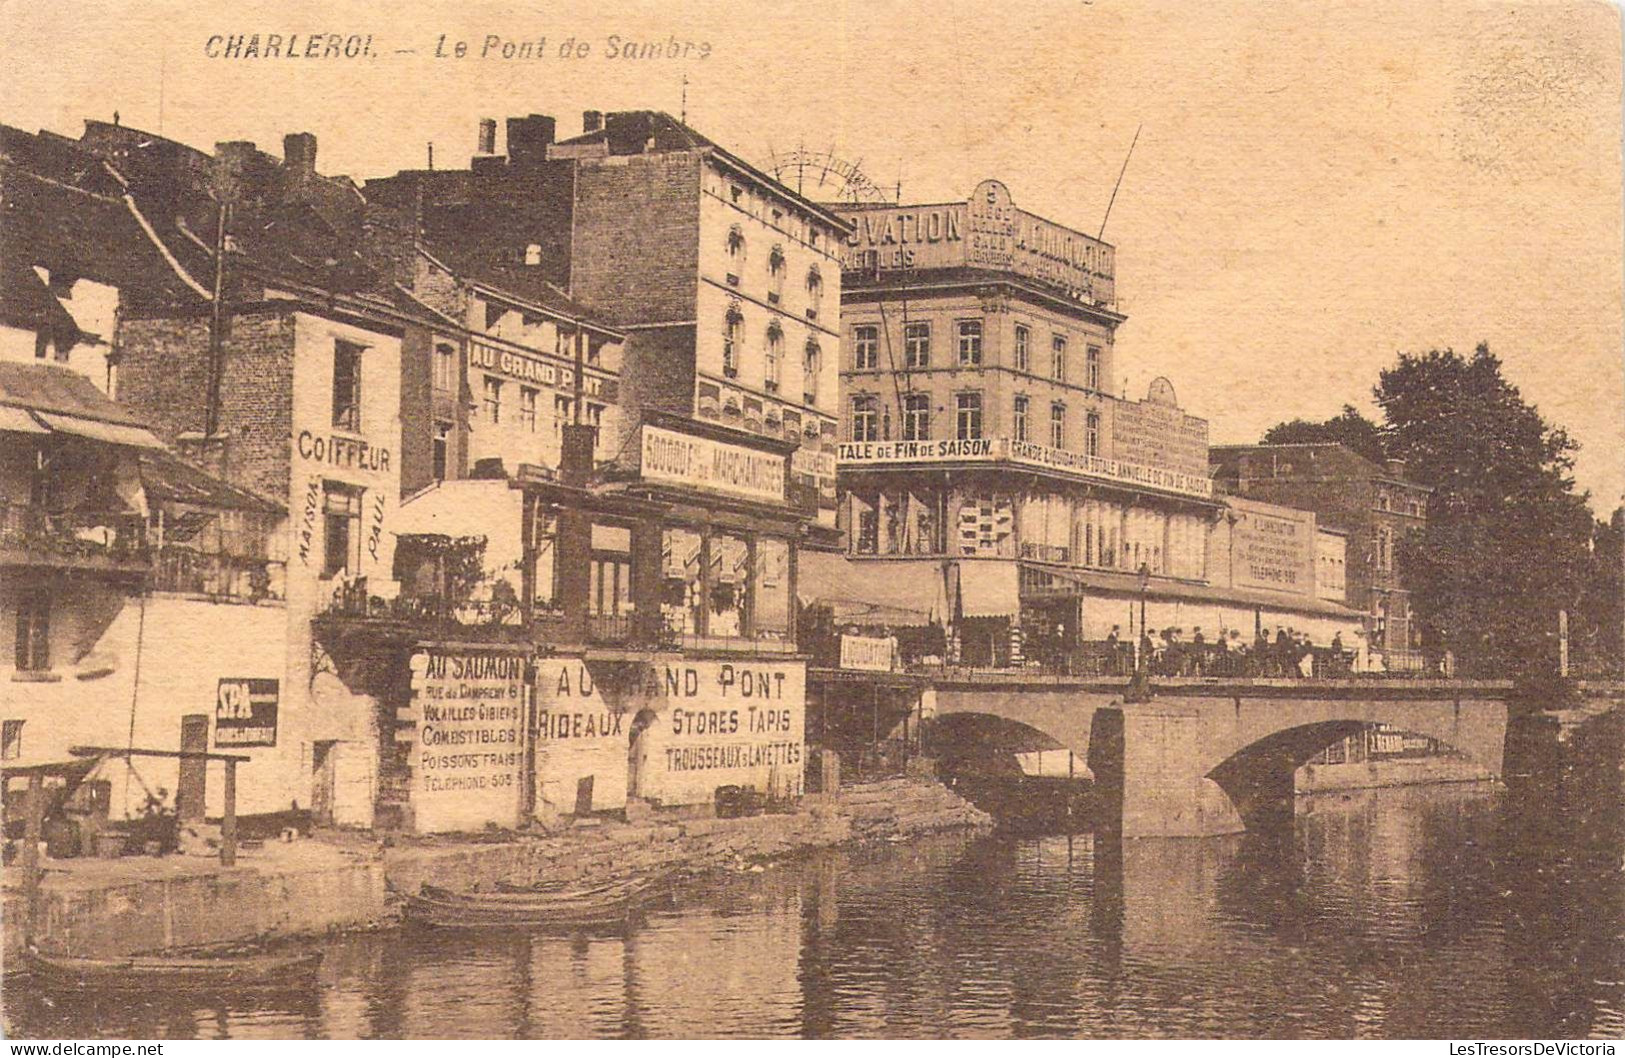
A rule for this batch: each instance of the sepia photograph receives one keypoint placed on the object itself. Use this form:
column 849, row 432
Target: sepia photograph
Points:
column 1059, row 519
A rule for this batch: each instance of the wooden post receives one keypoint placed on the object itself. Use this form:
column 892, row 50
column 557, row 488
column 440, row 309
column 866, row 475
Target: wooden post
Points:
column 228, row 822
column 31, row 861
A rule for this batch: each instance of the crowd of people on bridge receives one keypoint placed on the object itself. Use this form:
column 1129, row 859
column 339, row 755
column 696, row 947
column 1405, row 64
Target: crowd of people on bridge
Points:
column 1286, row 654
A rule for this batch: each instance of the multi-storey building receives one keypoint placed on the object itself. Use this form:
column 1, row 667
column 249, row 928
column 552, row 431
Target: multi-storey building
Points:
column 990, row 469
column 1374, row 506
column 726, row 283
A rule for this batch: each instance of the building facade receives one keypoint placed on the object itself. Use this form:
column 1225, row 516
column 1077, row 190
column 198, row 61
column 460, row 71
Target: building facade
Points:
column 1376, row 509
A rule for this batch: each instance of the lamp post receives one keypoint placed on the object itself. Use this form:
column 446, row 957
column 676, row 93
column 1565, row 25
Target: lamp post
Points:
column 1139, row 689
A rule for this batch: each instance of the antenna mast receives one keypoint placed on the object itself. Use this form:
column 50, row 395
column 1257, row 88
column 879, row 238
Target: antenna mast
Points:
column 1119, row 183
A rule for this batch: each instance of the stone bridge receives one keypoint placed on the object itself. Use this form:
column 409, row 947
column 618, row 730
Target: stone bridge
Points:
column 1209, row 757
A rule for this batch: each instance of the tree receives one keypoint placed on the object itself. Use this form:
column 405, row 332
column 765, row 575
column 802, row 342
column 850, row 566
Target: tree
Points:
column 1508, row 539
column 1599, row 632
column 1350, row 429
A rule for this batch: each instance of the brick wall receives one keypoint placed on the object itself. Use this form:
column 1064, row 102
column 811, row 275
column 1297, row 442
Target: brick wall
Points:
column 417, row 409
column 636, row 237
column 658, row 373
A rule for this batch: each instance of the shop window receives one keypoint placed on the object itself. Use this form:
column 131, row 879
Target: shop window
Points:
column 730, row 586
column 1092, row 368
column 493, row 400
column 917, row 345
column 341, row 525
column 34, row 631
column 610, row 582
column 1018, row 420
column 11, row 739
column 771, row 619
column 1057, row 425
column 1057, row 358
column 866, row 347
column 1091, row 433
column 775, row 357
column 865, row 419
column 682, row 600
column 440, row 449
column 1024, row 340
column 968, row 415
column 970, row 343
column 916, row 417
column 527, row 408
column 347, row 386
column 445, row 367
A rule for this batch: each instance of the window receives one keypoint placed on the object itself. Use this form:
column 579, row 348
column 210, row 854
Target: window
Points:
column 917, row 345
column 445, row 367
column 813, row 366
column 1057, row 358
column 770, row 617
column 1018, row 422
column 595, row 419
column 736, row 247
column 527, row 408
column 916, row 417
column 493, row 400
column 1023, row 348
column 866, row 347
column 34, row 631
column 970, row 343
column 815, row 292
column 341, row 522
column 533, row 254
column 775, row 275
column 732, row 330
column 347, row 386
column 775, row 356
column 440, row 448
column 968, row 415
column 1091, row 433
column 1093, row 368
column 610, row 581
column 563, row 411
column 11, row 739
column 1385, row 550
column 865, row 419
column 1057, row 425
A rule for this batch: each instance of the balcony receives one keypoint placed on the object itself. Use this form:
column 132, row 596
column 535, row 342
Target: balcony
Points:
column 217, row 578
column 112, row 541
column 353, row 610
column 1047, row 553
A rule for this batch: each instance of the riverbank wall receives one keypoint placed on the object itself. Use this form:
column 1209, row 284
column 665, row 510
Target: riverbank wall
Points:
column 1379, row 774
column 312, row 886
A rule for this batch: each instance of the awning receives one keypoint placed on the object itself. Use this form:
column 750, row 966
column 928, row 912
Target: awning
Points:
column 879, row 592
column 95, row 430
column 1128, row 584
column 989, row 588
column 16, row 420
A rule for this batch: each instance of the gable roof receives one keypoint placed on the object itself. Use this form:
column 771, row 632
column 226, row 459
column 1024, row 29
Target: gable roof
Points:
column 166, row 476
column 59, row 391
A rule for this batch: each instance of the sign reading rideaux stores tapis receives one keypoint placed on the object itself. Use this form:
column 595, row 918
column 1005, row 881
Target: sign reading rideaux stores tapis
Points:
column 469, row 754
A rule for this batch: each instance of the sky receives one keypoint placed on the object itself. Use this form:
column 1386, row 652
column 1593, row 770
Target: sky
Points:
column 1316, row 187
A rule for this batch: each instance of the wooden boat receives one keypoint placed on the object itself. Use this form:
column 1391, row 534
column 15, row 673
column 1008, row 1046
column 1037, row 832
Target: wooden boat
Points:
column 603, row 904
column 158, row 973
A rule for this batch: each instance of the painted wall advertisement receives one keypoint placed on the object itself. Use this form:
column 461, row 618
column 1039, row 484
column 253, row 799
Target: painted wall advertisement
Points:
column 1156, row 435
column 469, row 752
column 1272, row 552
column 685, row 459
column 584, row 723
column 245, row 712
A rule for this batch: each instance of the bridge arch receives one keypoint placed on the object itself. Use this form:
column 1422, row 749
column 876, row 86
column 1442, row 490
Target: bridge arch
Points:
column 994, row 745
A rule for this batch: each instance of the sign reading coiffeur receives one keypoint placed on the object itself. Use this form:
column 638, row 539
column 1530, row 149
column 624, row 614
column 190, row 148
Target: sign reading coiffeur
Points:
column 701, row 462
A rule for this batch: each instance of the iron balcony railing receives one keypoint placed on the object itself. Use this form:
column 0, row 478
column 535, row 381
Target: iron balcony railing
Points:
column 31, row 534
column 221, row 578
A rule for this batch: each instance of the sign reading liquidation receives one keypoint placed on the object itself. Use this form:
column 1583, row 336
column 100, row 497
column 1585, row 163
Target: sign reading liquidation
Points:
column 1001, row 449
column 468, row 756
column 721, row 723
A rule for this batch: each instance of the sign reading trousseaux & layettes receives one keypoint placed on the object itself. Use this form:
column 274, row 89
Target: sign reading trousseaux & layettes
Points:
column 468, row 755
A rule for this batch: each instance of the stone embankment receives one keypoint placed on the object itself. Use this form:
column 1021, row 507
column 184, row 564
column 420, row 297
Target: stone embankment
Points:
column 310, row 886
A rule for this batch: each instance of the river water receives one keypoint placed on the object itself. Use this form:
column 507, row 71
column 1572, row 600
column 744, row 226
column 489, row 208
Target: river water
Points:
column 1448, row 911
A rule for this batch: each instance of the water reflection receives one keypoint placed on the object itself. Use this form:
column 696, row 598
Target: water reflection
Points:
column 1444, row 911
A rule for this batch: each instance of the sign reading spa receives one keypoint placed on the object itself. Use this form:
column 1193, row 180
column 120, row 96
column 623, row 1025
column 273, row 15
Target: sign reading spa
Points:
column 468, row 753
column 723, row 724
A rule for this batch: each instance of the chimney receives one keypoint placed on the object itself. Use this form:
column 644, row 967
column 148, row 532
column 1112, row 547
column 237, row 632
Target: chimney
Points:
column 230, row 165
column 575, row 455
column 1395, row 467
column 592, row 120
column 528, row 138
column 488, row 136
column 299, row 152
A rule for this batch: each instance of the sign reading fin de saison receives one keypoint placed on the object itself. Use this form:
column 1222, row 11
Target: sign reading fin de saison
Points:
column 468, row 754
column 699, row 461
column 245, row 712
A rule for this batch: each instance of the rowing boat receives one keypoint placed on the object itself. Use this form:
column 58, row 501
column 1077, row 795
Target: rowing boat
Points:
column 158, row 973
column 597, row 905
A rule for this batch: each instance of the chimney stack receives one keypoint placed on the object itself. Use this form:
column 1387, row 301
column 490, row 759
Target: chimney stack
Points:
column 592, row 120
column 488, row 136
column 299, row 152
column 231, row 160
column 529, row 138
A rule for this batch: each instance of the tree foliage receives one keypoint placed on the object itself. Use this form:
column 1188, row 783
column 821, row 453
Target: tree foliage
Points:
column 1350, row 429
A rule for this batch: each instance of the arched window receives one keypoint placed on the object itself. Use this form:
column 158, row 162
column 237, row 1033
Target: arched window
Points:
column 736, row 249
column 813, row 364
column 775, row 356
column 775, row 275
column 815, row 292
column 732, row 336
